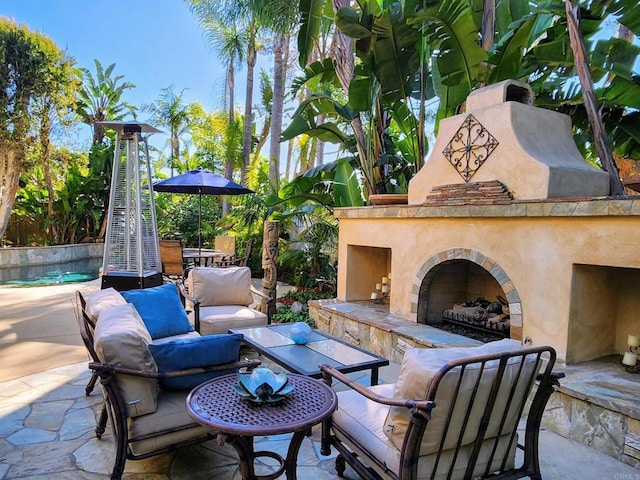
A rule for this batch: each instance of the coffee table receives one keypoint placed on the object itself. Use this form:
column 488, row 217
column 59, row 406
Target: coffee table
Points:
column 237, row 420
column 274, row 342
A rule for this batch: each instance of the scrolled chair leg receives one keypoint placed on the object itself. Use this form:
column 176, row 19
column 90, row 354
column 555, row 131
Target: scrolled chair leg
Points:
column 102, row 422
column 341, row 465
column 92, row 383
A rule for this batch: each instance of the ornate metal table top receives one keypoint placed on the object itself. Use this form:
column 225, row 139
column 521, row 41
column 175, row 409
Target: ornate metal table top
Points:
column 216, row 404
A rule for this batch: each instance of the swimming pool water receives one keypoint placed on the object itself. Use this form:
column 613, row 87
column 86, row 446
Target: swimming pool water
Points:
column 41, row 275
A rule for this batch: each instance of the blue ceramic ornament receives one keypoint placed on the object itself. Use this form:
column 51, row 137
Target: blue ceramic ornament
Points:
column 300, row 332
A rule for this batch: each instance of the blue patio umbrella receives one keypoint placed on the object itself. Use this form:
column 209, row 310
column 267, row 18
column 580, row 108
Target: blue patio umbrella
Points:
column 200, row 182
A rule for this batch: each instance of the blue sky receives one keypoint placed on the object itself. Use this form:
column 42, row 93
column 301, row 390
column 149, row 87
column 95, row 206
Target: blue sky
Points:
column 154, row 44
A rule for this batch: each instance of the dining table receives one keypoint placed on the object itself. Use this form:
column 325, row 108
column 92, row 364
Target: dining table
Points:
column 203, row 256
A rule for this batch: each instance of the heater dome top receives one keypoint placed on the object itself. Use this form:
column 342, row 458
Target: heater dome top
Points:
column 130, row 126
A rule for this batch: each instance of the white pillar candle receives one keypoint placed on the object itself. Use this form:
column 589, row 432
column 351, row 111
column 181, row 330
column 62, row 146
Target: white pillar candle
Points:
column 378, row 286
column 633, row 340
column 374, row 295
column 385, row 288
column 385, row 280
column 630, row 359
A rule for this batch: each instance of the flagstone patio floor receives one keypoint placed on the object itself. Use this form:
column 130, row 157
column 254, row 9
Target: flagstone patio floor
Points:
column 47, row 423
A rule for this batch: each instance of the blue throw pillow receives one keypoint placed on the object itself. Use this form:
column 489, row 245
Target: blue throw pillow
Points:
column 185, row 353
column 161, row 310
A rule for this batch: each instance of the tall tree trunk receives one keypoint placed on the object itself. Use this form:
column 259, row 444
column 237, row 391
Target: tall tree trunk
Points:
column 45, row 144
column 276, row 108
column 10, row 167
column 590, row 100
column 624, row 33
column 248, row 106
column 231, row 85
column 319, row 146
column 287, row 172
column 488, row 24
column 262, row 139
column 228, row 162
column 98, row 131
column 312, row 158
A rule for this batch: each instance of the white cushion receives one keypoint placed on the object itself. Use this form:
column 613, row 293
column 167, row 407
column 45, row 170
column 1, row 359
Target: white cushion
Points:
column 102, row 299
column 417, row 371
column 121, row 339
column 220, row 319
column 220, row 286
column 363, row 420
column 171, row 413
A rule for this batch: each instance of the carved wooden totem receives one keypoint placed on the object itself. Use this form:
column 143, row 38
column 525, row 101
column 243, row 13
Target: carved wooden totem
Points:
column 270, row 265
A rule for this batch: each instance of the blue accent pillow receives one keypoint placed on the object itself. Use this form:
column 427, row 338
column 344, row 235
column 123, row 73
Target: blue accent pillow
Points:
column 161, row 310
column 192, row 352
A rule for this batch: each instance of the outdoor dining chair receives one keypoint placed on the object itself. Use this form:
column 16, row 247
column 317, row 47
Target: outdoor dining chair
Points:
column 172, row 259
column 225, row 244
column 241, row 261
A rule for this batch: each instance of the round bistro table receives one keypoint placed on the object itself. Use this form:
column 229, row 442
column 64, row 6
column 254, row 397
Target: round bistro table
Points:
column 237, row 420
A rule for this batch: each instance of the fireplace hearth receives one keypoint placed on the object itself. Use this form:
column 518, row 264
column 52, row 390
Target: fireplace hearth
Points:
column 532, row 223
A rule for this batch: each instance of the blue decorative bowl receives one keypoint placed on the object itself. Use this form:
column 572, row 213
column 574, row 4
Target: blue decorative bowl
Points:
column 300, row 332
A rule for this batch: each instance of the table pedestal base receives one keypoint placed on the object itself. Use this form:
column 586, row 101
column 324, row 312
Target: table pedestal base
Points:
column 243, row 445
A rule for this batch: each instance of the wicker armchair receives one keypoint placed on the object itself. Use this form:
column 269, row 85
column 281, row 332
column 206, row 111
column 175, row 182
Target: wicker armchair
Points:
column 462, row 425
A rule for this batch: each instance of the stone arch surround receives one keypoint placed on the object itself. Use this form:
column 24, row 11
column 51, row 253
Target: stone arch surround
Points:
column 425, row 275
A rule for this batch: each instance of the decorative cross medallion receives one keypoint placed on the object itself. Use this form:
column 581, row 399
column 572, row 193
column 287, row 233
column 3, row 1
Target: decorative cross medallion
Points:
column 469, row 147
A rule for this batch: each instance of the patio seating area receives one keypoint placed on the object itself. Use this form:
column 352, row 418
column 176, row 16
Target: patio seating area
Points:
column 47, row 422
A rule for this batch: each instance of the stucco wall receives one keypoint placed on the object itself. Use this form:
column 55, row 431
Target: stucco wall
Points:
column 536, row 244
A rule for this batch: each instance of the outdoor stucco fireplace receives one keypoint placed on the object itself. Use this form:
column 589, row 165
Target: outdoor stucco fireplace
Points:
column 505, row 206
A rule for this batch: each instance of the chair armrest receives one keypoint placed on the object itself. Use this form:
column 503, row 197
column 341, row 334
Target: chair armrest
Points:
column 330, row 372
column 261, row 294
column 185, row 295
column 106, row 369
column 196, row 304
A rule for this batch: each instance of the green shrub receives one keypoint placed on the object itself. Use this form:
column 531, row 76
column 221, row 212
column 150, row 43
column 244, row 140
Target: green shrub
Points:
column 302, row 295
column 285, row 315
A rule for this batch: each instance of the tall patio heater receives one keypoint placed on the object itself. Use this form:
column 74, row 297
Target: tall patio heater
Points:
column 132, row 250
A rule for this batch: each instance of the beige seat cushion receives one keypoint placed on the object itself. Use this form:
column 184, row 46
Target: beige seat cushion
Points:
column 363, row 419
column 417, row 371
column 220, row 319
column 220, row 286
column 122, row 339
column 171, row 413
column 102, row 299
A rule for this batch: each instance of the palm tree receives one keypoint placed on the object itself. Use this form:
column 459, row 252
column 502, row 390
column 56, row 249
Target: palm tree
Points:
column 229, row 41
column 238, row 14
column 170, row 111
column 101, row 98
column 280, row 17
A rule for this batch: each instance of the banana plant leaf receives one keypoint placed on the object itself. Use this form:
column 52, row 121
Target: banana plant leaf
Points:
column 310, row 24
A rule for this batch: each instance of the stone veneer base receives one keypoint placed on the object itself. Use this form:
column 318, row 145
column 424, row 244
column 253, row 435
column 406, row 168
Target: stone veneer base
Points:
column 596, row 404
column 32, row 256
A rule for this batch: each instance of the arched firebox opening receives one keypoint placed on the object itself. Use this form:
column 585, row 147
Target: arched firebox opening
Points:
column 467, row 293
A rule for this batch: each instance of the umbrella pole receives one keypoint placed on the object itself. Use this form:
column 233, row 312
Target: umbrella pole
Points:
column 200, row 222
